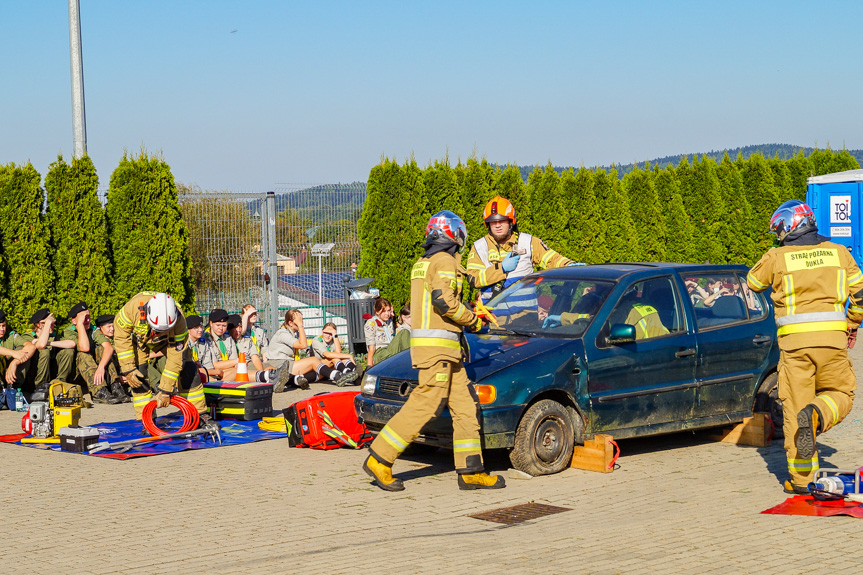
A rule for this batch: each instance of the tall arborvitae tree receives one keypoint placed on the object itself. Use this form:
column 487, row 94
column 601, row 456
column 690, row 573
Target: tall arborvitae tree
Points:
column 683, row 173
column 586, row 233
column 799, row 169
column 646, row 213
column 478, row 179
column 6, row 172
column 26, row 245
column 678, row 229
column 620, row 235
column 511, row 186
column 149, row 239
column 79, row 240
column 739, row 247
column 708, row 213
column 442, row 189
column 829, row 162
column 666, row 184
column 762, row 196
column 546, row 201
column 781, row 180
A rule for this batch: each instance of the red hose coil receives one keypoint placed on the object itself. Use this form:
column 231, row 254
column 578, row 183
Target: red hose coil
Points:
column 189, row 411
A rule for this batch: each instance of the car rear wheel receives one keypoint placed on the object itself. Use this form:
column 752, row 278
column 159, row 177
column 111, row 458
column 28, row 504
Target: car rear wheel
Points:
column 544, row 439
column 767, row 401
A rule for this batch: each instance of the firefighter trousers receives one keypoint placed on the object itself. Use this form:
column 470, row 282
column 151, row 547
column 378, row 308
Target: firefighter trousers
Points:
column 824, row 377
column 444, row 384
column 189, row 384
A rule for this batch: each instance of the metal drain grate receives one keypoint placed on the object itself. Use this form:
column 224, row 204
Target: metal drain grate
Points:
column 519, row 513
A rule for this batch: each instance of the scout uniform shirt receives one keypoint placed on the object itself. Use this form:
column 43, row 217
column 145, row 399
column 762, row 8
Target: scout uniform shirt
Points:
column 281, row 347
column 13, row 342
column 197, row 349
column 319, row 346
column 438, row 313
column 252, row 343
column 70, row 333
column 483, row 263
column 378, row 333
column 811, row 284
column 218, row 349
column 134, row 340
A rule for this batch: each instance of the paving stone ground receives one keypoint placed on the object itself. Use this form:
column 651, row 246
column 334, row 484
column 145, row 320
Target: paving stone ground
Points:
column 677, row 504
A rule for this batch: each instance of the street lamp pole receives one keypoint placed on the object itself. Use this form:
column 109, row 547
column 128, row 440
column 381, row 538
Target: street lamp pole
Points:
column 78, row 116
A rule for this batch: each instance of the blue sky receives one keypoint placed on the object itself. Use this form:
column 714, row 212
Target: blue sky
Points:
column 242, row 96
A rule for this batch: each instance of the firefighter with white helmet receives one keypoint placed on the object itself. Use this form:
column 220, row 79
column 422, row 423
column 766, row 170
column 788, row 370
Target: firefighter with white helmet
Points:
column 439, row 318
column 812, row 280
column 505, row 255
column 150, row 335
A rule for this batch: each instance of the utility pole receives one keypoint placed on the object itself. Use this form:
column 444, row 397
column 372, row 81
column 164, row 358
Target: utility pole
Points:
column 78, row 116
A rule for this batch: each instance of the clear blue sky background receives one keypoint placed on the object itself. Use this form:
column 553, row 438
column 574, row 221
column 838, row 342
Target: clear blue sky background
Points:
column 242, row 95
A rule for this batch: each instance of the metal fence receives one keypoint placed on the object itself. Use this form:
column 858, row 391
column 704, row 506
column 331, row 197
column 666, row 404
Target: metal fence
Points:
column 260, row 249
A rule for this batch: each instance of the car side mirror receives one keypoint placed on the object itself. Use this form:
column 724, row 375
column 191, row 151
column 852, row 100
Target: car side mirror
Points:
column 621, row 333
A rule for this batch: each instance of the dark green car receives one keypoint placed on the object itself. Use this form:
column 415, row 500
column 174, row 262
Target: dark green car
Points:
column 625, row 349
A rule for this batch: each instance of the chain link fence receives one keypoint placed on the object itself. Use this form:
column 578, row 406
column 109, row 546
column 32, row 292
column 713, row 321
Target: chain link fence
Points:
column 260, row 249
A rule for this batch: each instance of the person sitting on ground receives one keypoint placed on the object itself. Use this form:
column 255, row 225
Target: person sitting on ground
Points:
column 402, row 340
column 22, row 372
column 254, row 340
column 328, row 348
column 104, row 373
column 75, row 338
column 15, row 352
column 197, row 345
column 222, row 352
column 378, row 330
column 285, row 347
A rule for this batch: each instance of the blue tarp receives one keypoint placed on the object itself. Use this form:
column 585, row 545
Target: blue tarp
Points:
column 233, row 433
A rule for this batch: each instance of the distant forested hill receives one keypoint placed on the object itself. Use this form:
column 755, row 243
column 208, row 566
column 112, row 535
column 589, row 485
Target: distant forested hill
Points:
column 782, row 151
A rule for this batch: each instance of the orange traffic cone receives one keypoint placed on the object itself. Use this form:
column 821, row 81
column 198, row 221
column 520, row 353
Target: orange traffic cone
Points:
column 242, row 370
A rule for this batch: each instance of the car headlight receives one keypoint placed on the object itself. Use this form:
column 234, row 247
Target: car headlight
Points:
column 370, row 382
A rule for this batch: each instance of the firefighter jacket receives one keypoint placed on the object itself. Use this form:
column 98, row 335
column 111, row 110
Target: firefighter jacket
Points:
column 486, row 255
column 438, row 313
column 134, row 340
column 811, row 285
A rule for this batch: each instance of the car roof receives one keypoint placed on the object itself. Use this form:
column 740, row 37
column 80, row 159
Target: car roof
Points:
column 617, row 270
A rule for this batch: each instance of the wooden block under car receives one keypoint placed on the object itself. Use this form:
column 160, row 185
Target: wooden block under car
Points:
column 755, row 431
column 595, row 455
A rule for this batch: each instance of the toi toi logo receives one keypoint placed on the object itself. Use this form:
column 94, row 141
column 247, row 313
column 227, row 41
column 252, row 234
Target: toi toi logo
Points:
column 842, row 211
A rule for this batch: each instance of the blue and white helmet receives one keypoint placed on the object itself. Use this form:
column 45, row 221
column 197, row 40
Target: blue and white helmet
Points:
column 446, row 227
column 791, row 216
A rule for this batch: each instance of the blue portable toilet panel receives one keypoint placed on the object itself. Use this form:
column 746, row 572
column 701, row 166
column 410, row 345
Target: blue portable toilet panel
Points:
column 836, row 201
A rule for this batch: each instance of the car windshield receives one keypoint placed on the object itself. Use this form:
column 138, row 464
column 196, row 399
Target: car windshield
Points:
column 544, row 306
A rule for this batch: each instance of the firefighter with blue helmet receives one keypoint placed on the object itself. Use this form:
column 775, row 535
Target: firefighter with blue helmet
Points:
column 439, row 318
column 812, row 280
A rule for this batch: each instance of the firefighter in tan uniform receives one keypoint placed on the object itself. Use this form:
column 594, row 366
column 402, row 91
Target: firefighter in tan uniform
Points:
column 503, row 256
column 812, row 279
column 436, row 350
column 150, row 334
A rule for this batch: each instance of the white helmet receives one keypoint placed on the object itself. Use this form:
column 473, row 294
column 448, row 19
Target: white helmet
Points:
column 161, row 312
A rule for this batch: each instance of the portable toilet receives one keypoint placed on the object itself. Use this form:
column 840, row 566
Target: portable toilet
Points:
column 836, row 201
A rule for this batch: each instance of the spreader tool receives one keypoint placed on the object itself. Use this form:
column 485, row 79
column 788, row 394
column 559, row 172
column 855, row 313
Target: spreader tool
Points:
column 483, row 311
column 124, row 446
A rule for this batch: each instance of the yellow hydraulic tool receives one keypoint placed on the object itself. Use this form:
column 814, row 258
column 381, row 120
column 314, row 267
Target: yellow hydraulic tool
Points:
column 62, row 409
column 483, row 311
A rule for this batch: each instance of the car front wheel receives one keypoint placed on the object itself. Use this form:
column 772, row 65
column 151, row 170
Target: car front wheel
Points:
column 544, row 439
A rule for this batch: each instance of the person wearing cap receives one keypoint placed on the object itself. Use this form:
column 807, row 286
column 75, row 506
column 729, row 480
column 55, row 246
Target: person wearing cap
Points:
column 197, row 345
column 505, row 255
column 106, row 372
column 252, row 340
column 19, row 371
column 150, row 336
column 221, row 353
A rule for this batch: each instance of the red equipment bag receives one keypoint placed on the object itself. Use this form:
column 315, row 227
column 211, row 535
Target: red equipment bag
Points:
column 326, row 421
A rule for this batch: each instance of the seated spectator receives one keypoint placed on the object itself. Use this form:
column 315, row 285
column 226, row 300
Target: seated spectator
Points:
column 254, row 339
column 328, row 348
column 20, row 372
column 105, row 374
column 285, row 347
column 221, row 352
column 13, row 348
column 402, row 339
column 75, row 337
column 197, row 346
column 378, row 330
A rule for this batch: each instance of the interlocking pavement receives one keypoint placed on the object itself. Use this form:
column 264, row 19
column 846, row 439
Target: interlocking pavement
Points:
column 677, row 504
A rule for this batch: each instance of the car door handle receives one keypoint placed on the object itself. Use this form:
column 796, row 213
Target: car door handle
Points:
column 685, row 352
column 759, row 339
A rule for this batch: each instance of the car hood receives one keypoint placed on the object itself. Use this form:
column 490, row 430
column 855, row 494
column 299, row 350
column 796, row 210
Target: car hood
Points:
column 489, row 353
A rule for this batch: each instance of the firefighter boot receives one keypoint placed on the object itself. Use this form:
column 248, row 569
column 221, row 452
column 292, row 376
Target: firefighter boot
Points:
column 789, row 487
column 104, row 396
column 808, row 422
column 120, row 393
column 468, row 481
column 383, row 475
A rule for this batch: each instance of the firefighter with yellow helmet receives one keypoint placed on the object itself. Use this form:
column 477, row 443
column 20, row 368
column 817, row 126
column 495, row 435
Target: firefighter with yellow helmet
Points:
column 505, row 255
column 150, row 335
column 812, row 280
column 439, row 318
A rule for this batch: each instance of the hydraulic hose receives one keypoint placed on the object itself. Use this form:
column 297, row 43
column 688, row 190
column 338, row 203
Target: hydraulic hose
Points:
column 189, row 411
